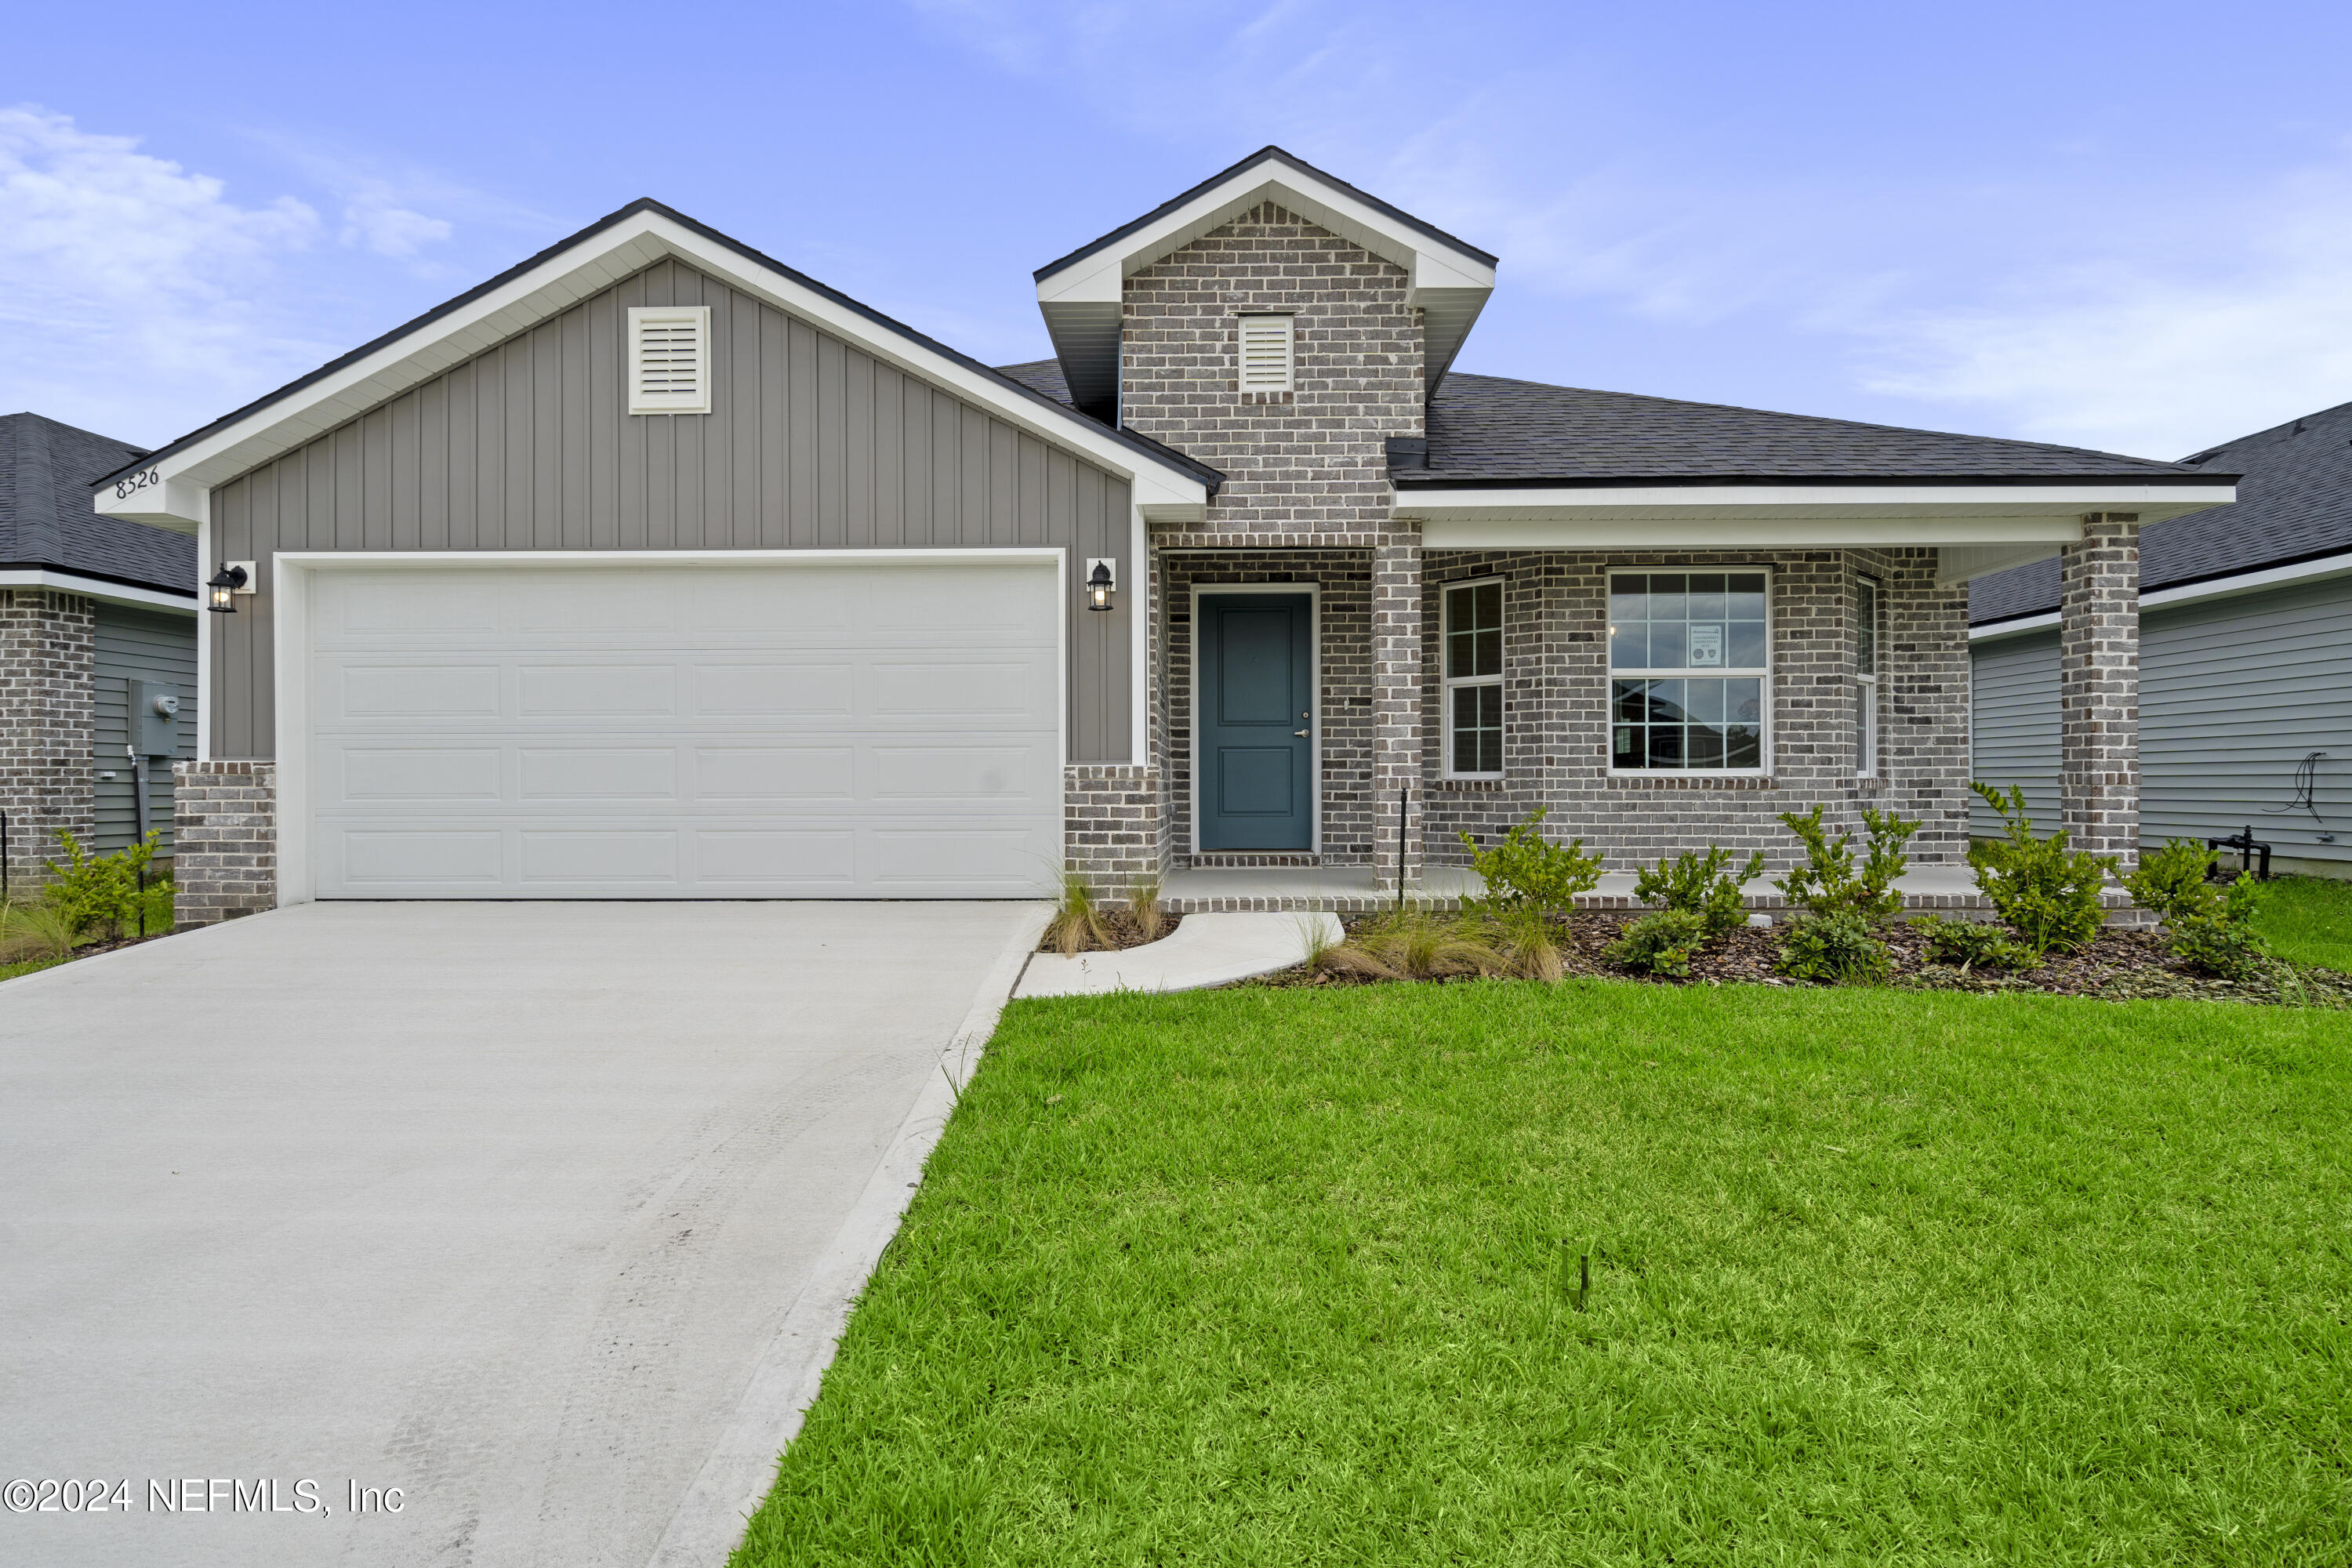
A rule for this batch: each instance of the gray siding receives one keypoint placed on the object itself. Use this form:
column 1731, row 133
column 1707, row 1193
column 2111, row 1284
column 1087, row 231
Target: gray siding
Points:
column 2013, row 686
column 2233, row 694
column 812, row 444
column 138, row 644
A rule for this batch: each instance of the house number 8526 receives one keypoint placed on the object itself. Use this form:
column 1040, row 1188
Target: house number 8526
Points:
column 136, row 482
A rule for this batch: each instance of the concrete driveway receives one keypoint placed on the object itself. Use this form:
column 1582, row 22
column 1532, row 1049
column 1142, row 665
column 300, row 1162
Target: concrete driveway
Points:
column 507, row 1207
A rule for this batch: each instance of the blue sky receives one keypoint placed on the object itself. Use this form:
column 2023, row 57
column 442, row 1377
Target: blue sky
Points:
column 2120, row 225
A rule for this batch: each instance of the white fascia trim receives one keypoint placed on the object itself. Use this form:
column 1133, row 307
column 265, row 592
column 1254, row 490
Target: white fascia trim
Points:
column 1429, row 264
column 175, row 498
column 1647, row 503
column 94, row 588
column 2324, row 569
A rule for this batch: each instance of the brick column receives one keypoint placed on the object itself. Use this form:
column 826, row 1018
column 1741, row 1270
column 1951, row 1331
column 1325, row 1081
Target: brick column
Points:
column 225, row 838
column 1396, row 704
column 48, row 648
column 2098, row 686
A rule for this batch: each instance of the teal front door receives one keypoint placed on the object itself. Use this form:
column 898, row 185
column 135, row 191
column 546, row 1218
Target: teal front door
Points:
column 1256, row 698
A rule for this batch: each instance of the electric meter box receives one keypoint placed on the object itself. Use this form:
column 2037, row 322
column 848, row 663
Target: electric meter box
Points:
column 154, row 718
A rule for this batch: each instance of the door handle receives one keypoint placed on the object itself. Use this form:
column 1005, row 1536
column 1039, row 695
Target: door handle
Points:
column 1299, row 732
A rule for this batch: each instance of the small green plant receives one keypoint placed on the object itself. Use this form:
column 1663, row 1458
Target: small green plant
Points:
column 2174, row 882
column 100, row 896
column 1827, row 883
column 1969, row 943
column 1838, row 949
column 1526, row 868
column 2047, row 893
column 2213, row 927
column 1143, row 905
column 1702, row 884
column 34, row 932
column 1079, row 921
column 1662, row 943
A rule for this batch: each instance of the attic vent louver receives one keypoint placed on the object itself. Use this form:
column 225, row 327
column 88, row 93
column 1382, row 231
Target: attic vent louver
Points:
column 669, row 359
column 1265, row 353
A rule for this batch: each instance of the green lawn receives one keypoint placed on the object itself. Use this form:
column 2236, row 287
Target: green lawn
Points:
column 2309, row 920
column 1274, row 1277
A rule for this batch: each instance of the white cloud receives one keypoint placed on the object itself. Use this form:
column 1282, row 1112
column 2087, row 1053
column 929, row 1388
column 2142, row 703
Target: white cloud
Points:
column 128, row 284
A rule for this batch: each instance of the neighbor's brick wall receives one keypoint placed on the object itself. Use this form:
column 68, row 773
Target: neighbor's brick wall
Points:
column 224, row 832
column 1315, row 463
column 48, row 647
column 1556, row 682
column 2098, row 686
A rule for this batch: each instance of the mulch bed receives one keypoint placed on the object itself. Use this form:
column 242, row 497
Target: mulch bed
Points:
column 1125, row 932
column 2120, row 965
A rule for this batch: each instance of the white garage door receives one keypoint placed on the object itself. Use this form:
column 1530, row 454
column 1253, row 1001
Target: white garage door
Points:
column 809, row 729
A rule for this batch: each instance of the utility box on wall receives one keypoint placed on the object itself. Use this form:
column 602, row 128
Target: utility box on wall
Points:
column 154, row 718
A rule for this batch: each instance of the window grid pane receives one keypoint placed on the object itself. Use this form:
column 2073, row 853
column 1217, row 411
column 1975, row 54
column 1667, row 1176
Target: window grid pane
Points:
column 1696, row 723
column 1474, row 657
column 1687, row 620
column 1702, row 622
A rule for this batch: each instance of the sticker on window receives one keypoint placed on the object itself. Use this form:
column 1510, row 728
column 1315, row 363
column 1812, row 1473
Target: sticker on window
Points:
column 1705, row 644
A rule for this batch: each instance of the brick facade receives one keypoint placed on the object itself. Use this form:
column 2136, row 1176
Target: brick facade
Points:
column 225, row 826
column 1114, row 823
column 48, row 646
column 2098, row 686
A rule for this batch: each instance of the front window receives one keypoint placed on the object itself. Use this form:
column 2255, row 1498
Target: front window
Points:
column 1473, row 680
column 1690, row 668
column 1865, row 676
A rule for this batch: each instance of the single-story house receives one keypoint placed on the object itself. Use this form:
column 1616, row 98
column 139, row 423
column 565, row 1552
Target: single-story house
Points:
column 654, row 568
column 2245, row 704
column 98, row 651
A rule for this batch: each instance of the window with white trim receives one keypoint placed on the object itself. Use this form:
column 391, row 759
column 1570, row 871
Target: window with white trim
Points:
column 1265, row 353
column 1865, row 677
column 1690, row 677
column 1473, row 680
column 669, row 359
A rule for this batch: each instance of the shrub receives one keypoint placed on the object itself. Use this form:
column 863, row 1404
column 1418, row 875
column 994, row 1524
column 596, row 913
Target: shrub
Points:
column 1528, row 869
column 1836, row 948
column 2223, row 941
column 98, row 896
column 1700, row 884
column 2171, row 882
column 1827, row 883
column 1662, row 943
column 2047, row 893
column 1078, row 917
column 1971, row 943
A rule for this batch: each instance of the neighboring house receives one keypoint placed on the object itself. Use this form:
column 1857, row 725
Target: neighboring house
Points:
column 2245, row 678
column 654, row 568
column 92, row 610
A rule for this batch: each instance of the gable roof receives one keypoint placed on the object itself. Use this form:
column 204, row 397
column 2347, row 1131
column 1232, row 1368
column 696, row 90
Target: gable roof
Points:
column 2295, row 503
column 1448, row 280
column 46, row 471
column 1489, row 431
column 613, row 248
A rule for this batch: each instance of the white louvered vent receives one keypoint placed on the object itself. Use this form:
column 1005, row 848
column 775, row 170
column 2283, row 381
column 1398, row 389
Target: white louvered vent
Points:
column 1265, row 353
column 669, row 359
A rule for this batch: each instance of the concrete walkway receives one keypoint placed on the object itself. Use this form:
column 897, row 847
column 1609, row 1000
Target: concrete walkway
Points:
column 543, row 1213
column 1204, row 950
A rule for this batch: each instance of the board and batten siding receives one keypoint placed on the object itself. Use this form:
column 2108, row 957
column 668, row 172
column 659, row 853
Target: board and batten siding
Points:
column 812, row 443
column 138, row 644
column 2233, row 694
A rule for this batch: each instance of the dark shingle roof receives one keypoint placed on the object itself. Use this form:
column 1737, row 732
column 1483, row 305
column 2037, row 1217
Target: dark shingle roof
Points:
column 45, row 519
column 1484, row 429
column 2294, row 502
column 1040, row 375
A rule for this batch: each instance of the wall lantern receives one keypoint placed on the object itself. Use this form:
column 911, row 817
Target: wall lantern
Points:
column 225, row 585
column 1100, row 582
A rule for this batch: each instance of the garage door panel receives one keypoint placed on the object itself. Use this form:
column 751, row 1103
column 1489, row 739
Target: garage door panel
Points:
column 741, row 731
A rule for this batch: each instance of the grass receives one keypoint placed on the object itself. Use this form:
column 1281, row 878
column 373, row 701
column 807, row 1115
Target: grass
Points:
column 2308, row 919
column 1276, row 1276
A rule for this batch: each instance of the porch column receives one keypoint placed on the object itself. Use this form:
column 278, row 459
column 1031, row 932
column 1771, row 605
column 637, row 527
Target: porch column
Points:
column 2098, row 686
column 1396, row 702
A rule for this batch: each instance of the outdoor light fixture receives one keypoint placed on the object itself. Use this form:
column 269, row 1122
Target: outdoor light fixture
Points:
column 225, row 585
column 1099, row 584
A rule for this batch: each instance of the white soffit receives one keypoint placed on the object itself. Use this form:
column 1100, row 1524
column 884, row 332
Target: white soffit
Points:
column 176, row 494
